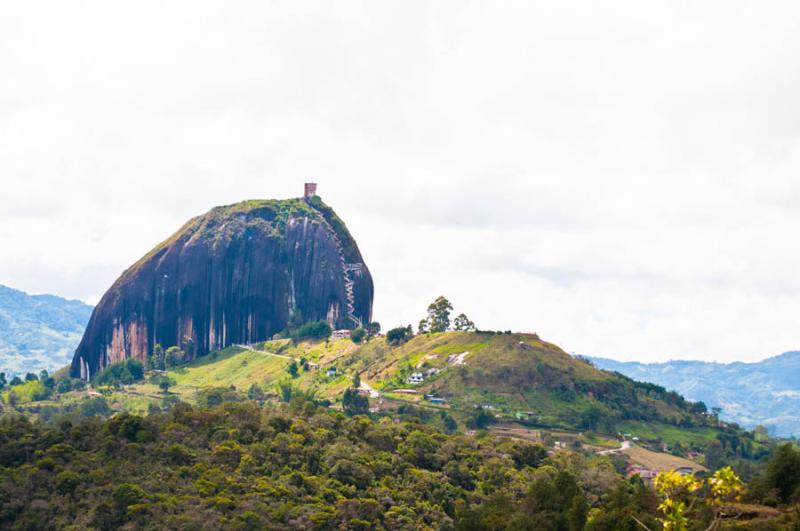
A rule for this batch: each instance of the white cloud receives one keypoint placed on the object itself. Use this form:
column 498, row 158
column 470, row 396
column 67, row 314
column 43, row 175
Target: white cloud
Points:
column 620, row 178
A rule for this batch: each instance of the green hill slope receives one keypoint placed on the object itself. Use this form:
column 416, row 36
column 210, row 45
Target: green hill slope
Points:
column 515, row 376
column 516, row 382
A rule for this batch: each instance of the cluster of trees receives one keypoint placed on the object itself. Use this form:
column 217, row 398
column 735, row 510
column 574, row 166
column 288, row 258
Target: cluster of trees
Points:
column 365, row 333
column 43, row 386
column 235, row 464
column 399, row 335
column 438, row 318
column 121, row 373
column 43, row 377
column 163, row 382
column 35, row 387
column 311, row 330
column 298, row 328
column 161, row 360
column 294, row 368
column 354, row 403
column 780, row 483
column 67, row 384
column 299, row 331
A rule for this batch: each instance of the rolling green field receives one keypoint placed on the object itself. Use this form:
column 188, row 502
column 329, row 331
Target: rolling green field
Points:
column 240, row 368
column 513, row 374
column 652, row 431
column 516, row 379
column 232, row 366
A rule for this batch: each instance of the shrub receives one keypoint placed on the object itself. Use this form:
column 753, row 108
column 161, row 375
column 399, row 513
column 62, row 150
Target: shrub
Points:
column 30, row 391
column 127, row 494
column 529, row 455
column 40, row 392
column 64, row 386
column 783, row 472
column 174, row 356
column 357, row 335
column 123, row 372
column 215, row 396
column 256, row 393
column 165, row 383
column 354, row 403
column 312, row 330
column 285, row 391
column 481, row 419
column 178, row 454
column 398, row 335
column 66, row 482
column 228, row 453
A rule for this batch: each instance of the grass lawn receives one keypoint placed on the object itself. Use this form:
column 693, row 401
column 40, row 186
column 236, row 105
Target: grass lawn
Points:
column 594, row 439
column 232, row 366
column 669, row 434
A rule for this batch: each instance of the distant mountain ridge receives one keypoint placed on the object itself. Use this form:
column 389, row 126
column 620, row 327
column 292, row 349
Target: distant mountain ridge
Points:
column 765, row 392
column 38, row 331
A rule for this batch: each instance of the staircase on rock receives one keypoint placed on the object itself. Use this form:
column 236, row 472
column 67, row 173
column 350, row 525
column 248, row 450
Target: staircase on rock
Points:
column 347, row 269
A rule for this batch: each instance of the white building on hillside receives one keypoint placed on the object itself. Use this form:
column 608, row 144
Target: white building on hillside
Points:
column 340, row 334
column 416, row 378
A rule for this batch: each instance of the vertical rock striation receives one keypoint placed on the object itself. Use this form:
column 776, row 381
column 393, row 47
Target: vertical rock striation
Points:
column 233, row 275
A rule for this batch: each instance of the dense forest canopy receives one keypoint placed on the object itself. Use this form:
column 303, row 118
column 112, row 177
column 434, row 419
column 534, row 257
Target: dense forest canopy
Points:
column 242, row 465
column 444, row 429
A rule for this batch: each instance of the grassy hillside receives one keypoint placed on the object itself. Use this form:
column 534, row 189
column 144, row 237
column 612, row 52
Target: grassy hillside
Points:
column 265, row 366
column 515, row 375
column 529, row 388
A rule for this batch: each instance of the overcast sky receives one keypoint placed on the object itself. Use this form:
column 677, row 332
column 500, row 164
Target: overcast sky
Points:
column 621, row 177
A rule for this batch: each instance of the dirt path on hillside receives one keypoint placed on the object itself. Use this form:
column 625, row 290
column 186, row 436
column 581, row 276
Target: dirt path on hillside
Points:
column 625, row 446
column 251, row 349
column 369, row 389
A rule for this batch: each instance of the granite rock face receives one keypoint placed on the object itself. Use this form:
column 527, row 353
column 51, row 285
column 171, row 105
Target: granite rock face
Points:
column 233, row 275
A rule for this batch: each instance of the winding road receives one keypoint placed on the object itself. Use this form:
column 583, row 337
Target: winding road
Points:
column 625, row 446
